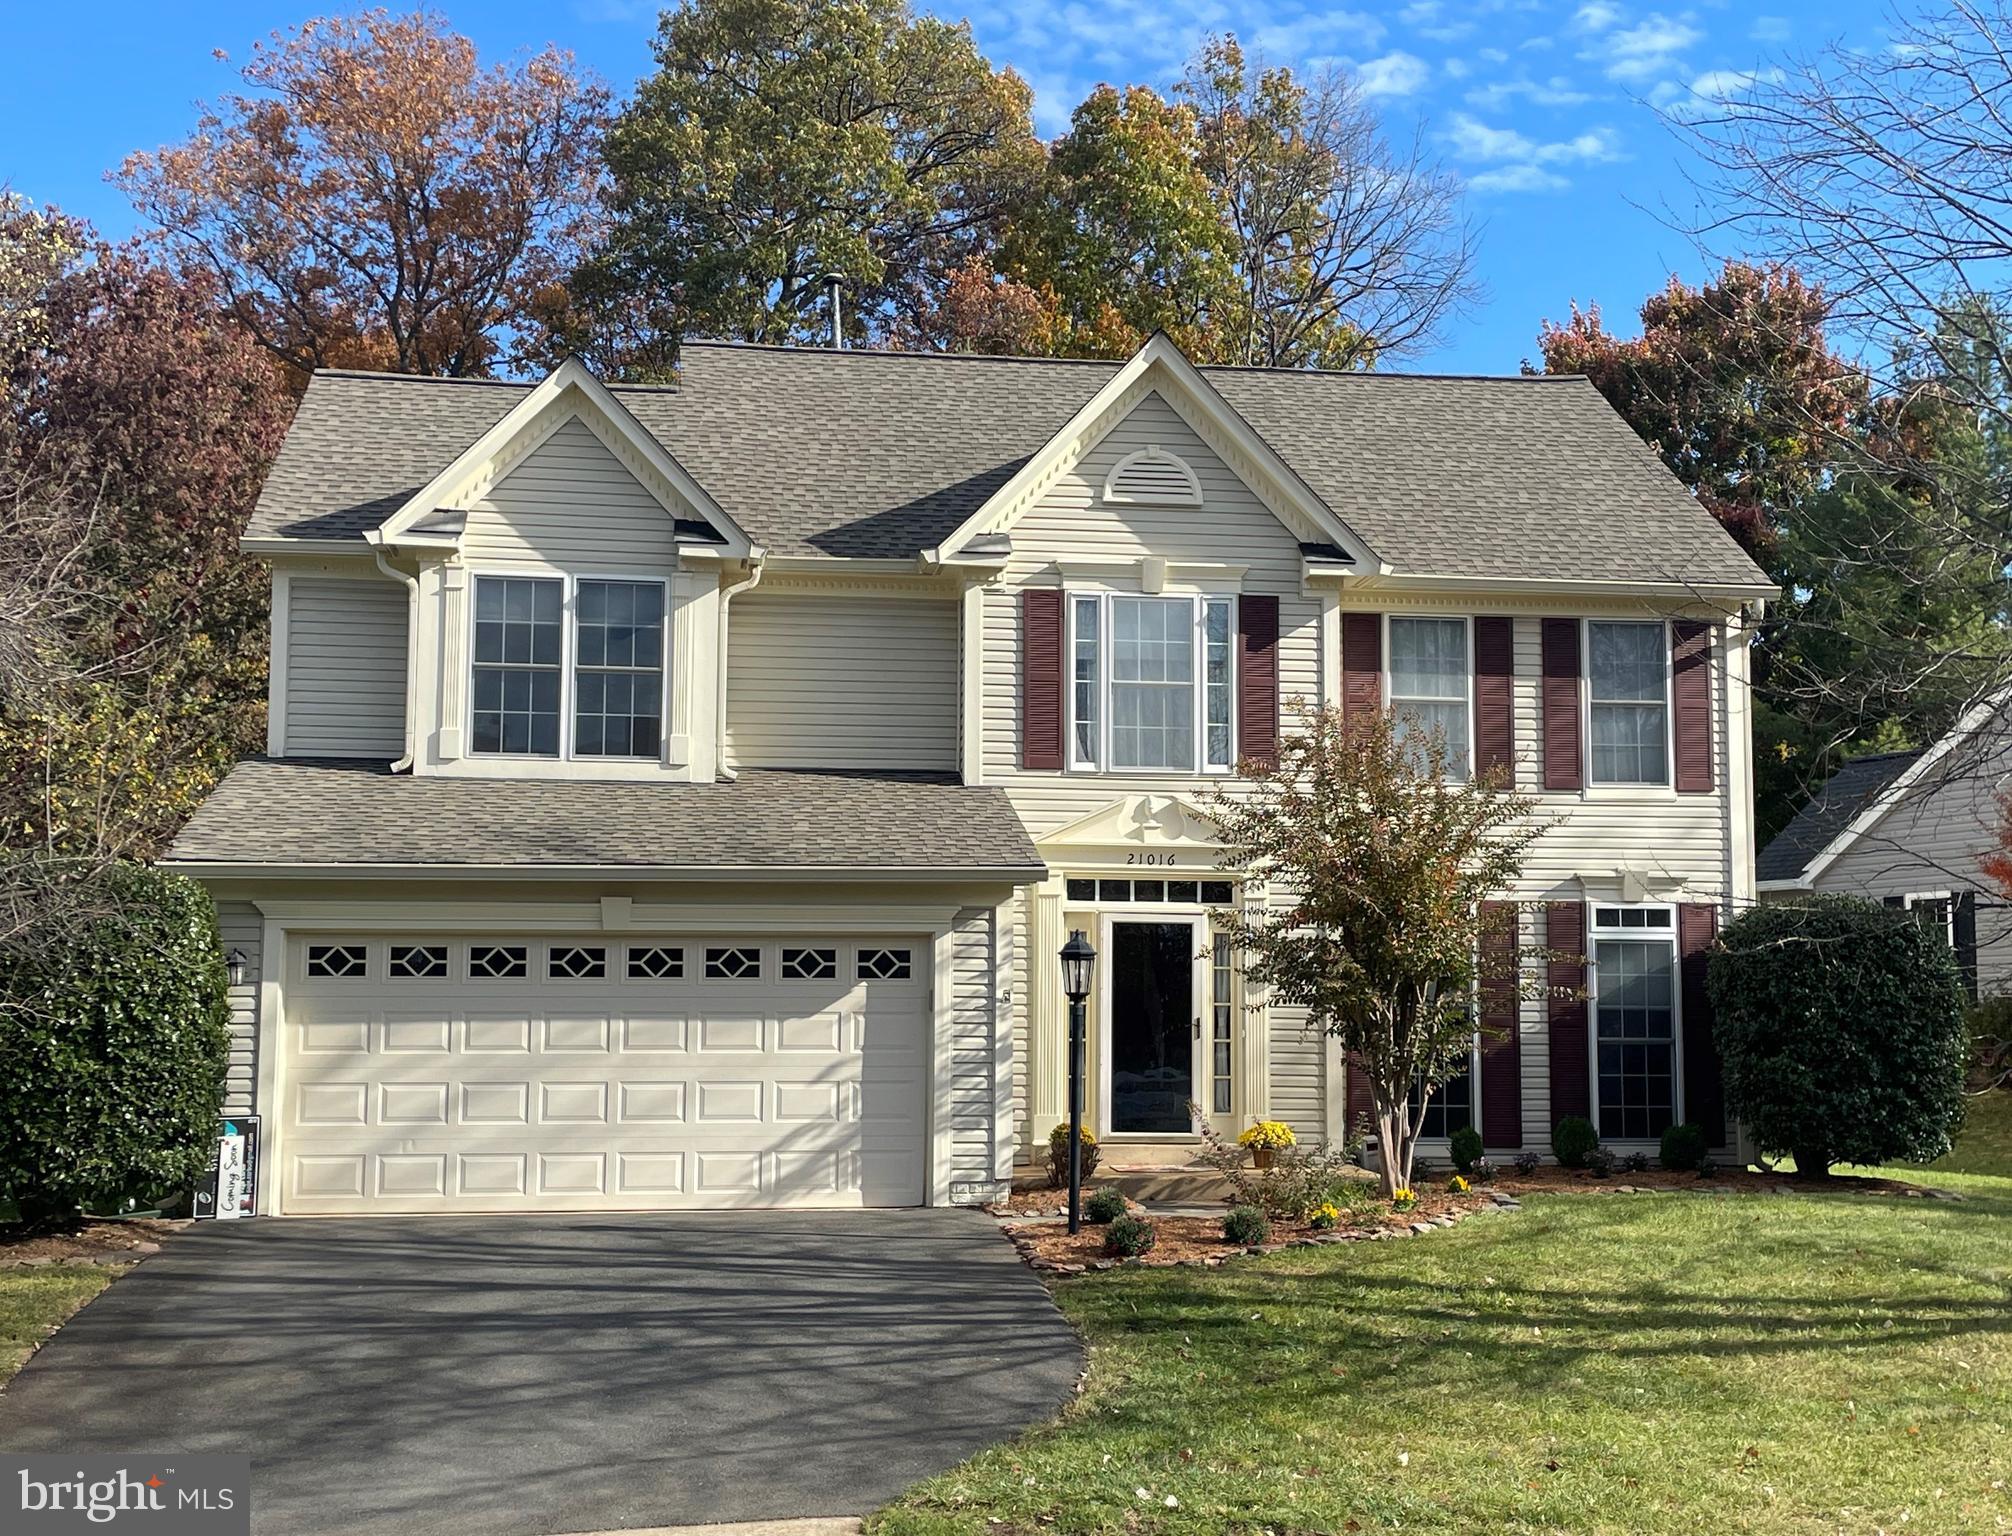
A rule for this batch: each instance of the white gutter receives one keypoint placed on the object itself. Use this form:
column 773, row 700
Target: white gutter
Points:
column 221, row 869
column 404, row 764
column 756, row 564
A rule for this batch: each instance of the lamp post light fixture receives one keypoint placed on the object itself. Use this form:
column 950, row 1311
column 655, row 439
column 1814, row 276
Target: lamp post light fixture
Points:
column 1079, row 963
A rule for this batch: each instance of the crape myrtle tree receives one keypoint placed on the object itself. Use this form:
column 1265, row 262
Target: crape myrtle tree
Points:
column 1380, row 855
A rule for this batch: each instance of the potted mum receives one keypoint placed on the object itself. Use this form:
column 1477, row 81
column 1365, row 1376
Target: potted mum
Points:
column 1265, row 1140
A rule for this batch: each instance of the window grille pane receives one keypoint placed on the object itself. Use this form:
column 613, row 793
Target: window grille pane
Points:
column 499, row 962
column 576, row 962
column 1217, row 893
column 515, row 674
column 1636, row 1037
column 1430, row 686
column 1627, row 665
column 418, row 962
column 1082, row 890
column 733, row 964
column 1152, row 683
column 1114, row 890
column 655, row 962
column 1451, row 1106
column 1216, row 681
column 618, row 671
column 342, row 961
column 809, row 964
column 886, row 965
column 1221, row 986
column 1084, row 681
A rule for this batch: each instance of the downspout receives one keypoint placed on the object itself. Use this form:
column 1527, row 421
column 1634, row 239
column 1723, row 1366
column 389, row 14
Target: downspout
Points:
column 727, row 595
column 404, row 764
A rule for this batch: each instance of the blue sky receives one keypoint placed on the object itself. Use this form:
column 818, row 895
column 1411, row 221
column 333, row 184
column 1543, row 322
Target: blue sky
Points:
column 1544, row 106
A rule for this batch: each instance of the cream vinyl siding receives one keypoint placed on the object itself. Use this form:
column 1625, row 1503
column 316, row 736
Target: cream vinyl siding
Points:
column 817, row 681
column 572, row 505
column 1072, row 521
column 978, row 1120
column 241, row 929
column 1931, row 841
column 345, row 667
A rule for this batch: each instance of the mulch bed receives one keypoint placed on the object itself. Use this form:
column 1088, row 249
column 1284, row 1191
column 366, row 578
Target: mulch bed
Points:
column 95, row 1242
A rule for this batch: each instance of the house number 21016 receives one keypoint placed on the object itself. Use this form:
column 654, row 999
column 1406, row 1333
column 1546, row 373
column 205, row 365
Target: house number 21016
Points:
column 1150, row 858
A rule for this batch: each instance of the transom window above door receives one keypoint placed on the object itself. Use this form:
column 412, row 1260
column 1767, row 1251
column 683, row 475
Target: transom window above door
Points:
column 546, row 648
column 1150, row 684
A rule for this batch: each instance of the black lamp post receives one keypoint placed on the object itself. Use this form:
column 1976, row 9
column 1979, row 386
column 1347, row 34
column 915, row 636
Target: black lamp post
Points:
column 1079, row 960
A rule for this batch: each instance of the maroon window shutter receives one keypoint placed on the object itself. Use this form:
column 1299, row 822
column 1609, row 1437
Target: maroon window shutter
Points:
column 1040, row 678
column 1561, row 704
column 1704, row 1089
column 1691, row 692
column 1571, row 1049
column 1494, row 670
column 1501, row 1058
column 1361, row 662
column 1257, row 679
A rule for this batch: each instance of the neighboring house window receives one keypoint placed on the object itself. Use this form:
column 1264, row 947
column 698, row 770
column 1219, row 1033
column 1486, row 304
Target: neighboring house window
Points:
column 521, row 665
column 1151, row 684
column 1635, row 1021
column 619, row 671
column 518, row 665
column 1431, row 683
column 1628, row 669
column 1936, row 912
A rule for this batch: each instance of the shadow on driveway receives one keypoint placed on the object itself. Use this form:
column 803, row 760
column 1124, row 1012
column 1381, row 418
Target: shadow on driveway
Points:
column 516, row 1376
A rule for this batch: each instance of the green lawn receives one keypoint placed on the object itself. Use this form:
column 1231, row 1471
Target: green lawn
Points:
column 32, row 1301
column 1638, row 1364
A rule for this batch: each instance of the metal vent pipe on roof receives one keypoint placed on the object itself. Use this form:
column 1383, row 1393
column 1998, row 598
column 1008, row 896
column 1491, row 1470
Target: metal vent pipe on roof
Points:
column 833, row 282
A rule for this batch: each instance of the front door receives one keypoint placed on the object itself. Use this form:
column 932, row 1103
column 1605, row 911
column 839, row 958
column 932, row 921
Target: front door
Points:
column 1152, row 1078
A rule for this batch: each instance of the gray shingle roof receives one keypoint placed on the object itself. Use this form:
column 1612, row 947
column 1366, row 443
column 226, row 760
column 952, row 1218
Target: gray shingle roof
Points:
column 1829, row 811
column 320, row 813
column 882, row 454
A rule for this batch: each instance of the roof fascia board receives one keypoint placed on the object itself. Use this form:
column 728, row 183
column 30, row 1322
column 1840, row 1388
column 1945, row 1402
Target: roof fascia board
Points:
column 445, row 487
column 1017, row 874
column 277, row 544
column 1074, row 439
column 1972, row 720
column 1411, row 581
column 1797, row 883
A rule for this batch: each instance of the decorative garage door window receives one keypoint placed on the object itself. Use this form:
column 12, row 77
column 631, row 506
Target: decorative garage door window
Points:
column 809, row 964
column 733, row 963
column 655, row 962
column 577, row 962
column 499, row 962
column 885, row 965
column 418, row 962
column 344, row 961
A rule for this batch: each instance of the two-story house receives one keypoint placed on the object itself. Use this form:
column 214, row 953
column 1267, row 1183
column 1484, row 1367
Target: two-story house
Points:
column 677, row 796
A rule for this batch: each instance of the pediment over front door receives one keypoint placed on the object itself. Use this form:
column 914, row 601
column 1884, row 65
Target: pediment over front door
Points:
column 1135, row 832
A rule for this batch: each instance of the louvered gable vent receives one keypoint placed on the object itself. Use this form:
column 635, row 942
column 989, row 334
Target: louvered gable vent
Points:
column 1153, row 474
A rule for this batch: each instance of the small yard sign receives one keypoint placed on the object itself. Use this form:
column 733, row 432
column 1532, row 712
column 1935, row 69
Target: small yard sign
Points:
column 231, row 1189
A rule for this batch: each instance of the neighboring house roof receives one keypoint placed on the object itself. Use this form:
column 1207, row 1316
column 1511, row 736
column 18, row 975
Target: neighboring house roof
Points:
column 864, row 454
column 1844, row 795
column 305, row 817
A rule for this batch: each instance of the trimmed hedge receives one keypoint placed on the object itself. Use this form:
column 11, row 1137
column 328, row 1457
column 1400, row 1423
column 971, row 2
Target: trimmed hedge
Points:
column 115, row 1037
column 1841, row 1027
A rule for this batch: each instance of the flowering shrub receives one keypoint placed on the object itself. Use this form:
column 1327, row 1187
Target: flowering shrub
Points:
column 1325, row 1218
column 1296, row 1182
column 1404, row 1199
column 1275, row 1134
column 1457, row 1185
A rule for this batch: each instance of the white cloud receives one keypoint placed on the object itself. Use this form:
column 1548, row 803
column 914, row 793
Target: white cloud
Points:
column 1556, row 91
column 1494, row 55
column 1646, row 49
column 1596, row 16
column 1395, row 74
column 1769, row 29
column 1518, row 178
column 1718, row 84
column 1456, row 69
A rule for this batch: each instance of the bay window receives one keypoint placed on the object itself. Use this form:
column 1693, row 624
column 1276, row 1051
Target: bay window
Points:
column 545, row 644
column 1151, row 683
column 1431, row 685
column 1628, row 669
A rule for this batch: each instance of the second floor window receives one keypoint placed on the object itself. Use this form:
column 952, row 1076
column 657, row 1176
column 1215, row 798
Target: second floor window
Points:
column 1150, row 683
column 524, row 671
column 1628, row 669
column 1430, row 684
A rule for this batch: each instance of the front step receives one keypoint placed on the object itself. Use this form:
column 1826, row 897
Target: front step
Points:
column 1169, row 1186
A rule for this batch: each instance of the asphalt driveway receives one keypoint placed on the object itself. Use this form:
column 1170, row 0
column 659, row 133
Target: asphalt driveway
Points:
column 521, row 1377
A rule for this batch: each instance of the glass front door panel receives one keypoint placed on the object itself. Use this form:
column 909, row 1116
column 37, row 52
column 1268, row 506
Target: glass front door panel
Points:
column 1152, row 1027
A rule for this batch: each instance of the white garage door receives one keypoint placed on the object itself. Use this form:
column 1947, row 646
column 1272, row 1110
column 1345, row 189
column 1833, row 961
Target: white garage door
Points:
column 599, row 1073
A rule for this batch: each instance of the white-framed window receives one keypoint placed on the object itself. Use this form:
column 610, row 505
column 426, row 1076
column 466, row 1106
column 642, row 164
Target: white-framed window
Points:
column 1628, row 701
column 1431, row 680
column 1636, row 1022
column 566, row 666
column 1935, row 911
column 1451, row 1106
column 1152, row 683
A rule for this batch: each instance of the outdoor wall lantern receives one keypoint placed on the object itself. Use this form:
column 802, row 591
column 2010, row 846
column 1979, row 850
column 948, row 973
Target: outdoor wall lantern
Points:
column 1079, row 964
column 236, row 964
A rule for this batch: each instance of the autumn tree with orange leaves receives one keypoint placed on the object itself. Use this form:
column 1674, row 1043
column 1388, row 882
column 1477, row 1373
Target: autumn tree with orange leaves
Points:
column 376, row 198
